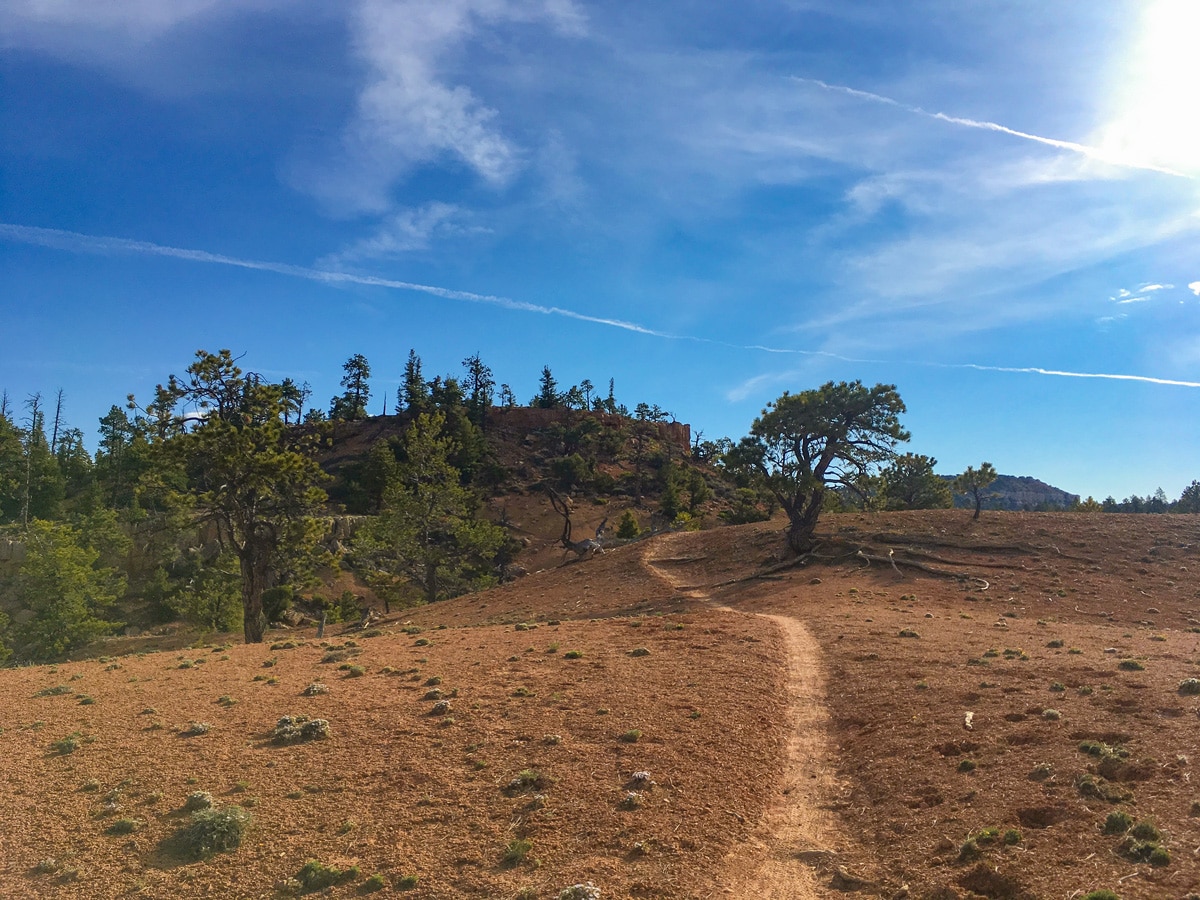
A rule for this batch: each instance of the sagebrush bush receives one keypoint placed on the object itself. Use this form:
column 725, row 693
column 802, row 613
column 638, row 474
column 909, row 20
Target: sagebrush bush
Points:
column 212, row 831
column 295, row 729
column 316, row 876
column 586, row 891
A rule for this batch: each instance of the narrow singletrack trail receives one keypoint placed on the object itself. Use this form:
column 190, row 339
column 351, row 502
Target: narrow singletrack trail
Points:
column 791, row 849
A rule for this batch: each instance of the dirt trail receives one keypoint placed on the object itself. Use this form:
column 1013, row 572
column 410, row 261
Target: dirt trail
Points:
column 792, row 853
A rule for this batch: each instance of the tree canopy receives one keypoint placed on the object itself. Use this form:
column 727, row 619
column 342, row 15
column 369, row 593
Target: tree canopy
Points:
column 973, row 481
column 248, row 474
column 803, row 443
column 909, row 482
column 427, row 531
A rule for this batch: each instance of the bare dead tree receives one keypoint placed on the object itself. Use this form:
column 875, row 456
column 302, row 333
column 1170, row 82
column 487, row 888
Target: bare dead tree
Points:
column 582, row 549
column 58, row 405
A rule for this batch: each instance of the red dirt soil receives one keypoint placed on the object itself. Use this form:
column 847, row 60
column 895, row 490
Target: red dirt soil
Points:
column 829, row 757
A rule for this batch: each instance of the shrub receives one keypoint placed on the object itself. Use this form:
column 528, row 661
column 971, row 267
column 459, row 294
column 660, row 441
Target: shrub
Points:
column 1118, row 822
column 375, row 883
column 967, row 765
column 123, row 826
column 528, row 778
column 213, row 831
column 516, row 851
column 407, row 882
column 295, row 729
column 1189, row 686
column 1130, row 665
column 195, row 729
column 1103, row 894
column 908, row 633
column 316, row 876
column 198, row 800
column 631, row 736
column 1012, row 837
column 1145, row 831
column 573, row 654
column 969, row 851
column 1052, row 715
column 355, row 672
column 67, row 745
column 639, row 651
column 314, row 689
column 586, row 891
column 628, row 527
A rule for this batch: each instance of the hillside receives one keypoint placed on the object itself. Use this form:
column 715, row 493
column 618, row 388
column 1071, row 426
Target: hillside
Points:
column 961, row 726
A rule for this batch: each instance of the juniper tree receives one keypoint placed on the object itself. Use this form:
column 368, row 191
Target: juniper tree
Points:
column 803, row 443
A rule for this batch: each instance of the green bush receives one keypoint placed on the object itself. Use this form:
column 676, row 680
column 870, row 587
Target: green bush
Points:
column 628, row 528
column 212, row 831
column 316, row 876
column 1118, row 822
column 516, row 851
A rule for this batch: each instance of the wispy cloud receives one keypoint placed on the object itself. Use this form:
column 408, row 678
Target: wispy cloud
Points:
column 411, row 111
column 76, row 242
column 406, row 231
column 1096, row 153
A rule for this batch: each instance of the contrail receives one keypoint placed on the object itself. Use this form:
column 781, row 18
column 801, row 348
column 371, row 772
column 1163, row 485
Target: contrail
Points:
column 86, row 243
column 1034, row 370
column 75, row 242
column 1083, row 149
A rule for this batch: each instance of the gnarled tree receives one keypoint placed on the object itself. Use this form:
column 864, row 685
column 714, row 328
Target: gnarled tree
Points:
column 803, row 443
column 973, row 481
column 247, row 473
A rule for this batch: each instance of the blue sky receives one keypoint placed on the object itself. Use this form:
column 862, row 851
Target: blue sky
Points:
column 709, row 202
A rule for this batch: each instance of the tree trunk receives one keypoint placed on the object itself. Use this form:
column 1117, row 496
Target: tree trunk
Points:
column 802, row 518
column 254, row 582
column 978, row 504
column 431, row 585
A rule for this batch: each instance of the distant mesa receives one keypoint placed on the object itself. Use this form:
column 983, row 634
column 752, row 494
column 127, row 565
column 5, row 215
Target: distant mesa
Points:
column 1019, row 492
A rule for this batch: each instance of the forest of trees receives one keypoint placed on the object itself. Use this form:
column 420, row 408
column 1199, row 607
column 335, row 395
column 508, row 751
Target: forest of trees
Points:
column 206, row 502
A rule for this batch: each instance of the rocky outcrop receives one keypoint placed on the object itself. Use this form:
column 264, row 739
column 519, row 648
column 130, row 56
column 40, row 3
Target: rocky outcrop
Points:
column 1020, row 492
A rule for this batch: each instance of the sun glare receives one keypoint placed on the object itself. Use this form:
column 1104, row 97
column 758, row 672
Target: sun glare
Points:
column 1156, row 108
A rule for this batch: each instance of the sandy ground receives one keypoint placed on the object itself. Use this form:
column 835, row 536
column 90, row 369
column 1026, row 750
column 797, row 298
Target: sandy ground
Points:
column 806, row 732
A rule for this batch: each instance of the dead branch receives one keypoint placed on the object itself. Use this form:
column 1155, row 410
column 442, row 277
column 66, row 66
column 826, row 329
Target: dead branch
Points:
column 941, row 573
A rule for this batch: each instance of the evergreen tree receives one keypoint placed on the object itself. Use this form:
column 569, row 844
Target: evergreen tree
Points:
column 1189, row 500
column 247, row 473
column 60, row 584
column 413, row 395
column 427, row 533
column 909, row 482
column 480, row 388
column 547, row 396
column 973, row 481
column 802, row 443
column 351, row 405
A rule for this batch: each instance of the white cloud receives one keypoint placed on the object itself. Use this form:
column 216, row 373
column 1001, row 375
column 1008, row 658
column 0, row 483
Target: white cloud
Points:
column 138, row 19
column 1194, row 287
column 1147, row 288
column 409, row 230
column 411, row 111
